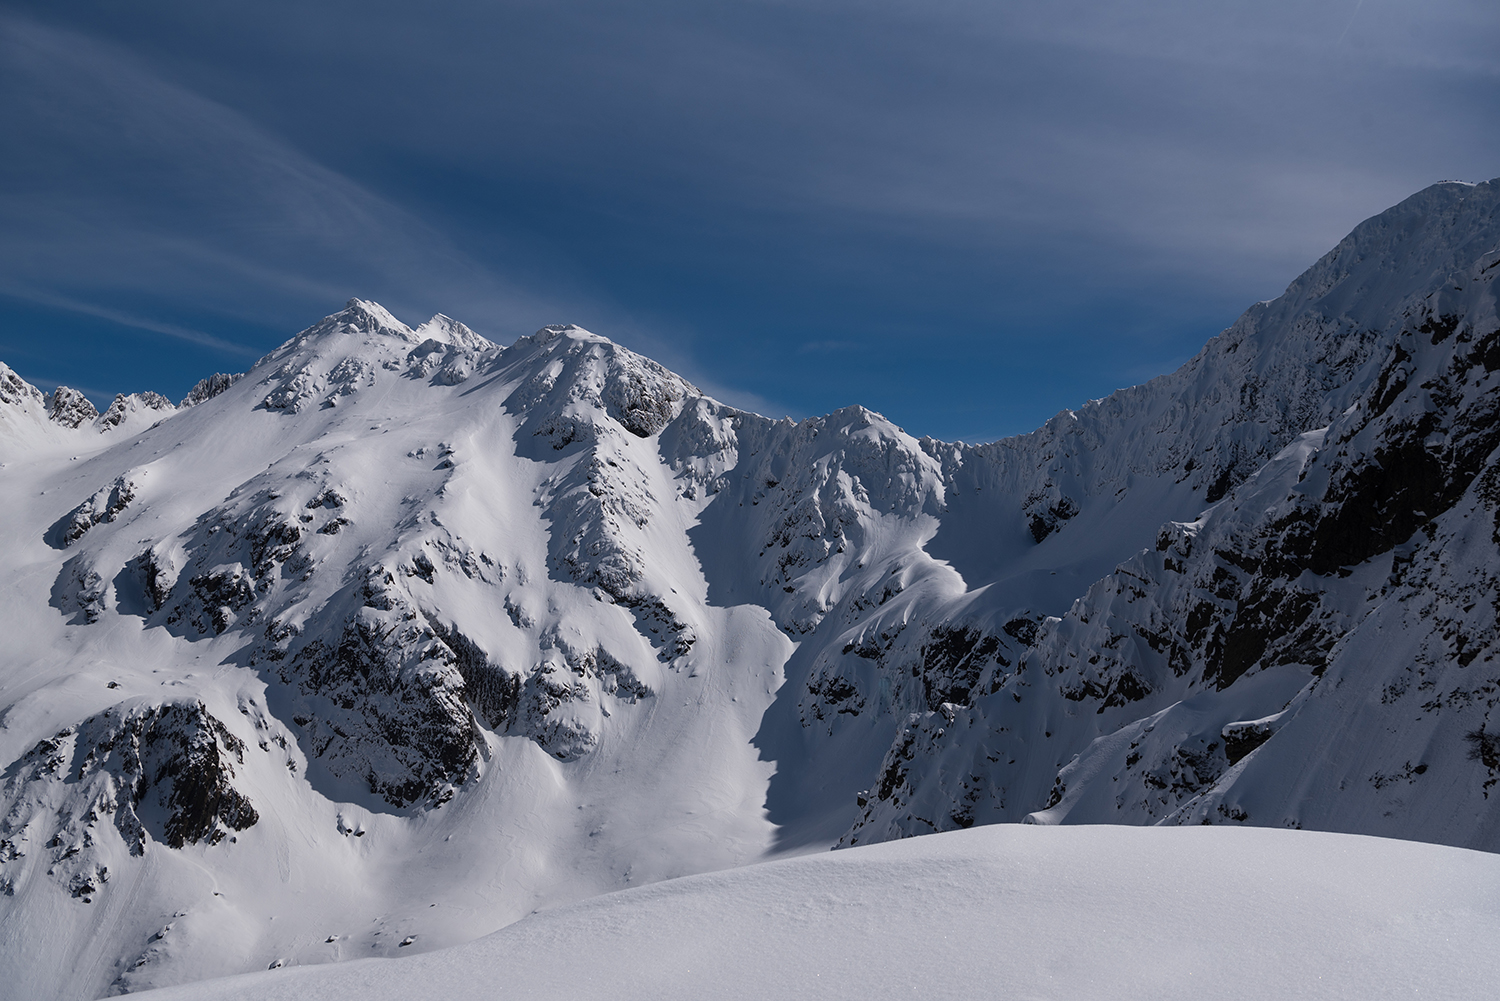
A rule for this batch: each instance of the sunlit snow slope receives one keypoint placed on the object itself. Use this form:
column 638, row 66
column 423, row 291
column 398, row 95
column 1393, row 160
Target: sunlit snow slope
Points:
column 996, row 912
column 403, row 635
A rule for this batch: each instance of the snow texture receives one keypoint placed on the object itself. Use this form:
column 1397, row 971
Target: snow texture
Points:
column 1004, row 912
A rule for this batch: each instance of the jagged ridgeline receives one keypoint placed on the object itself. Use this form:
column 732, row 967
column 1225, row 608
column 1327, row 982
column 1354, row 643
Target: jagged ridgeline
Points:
column 402, row 634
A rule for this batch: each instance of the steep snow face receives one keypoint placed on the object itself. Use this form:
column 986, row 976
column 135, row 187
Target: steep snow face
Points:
column 1097, row 912
column 402, row 635
column 1285, row 367
column 1317, row 649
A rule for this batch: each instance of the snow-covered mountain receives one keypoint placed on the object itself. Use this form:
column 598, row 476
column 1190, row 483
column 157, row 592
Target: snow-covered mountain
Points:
column 402, row 635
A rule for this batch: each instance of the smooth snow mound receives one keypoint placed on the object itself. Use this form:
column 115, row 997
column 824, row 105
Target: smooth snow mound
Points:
column 1004, row 911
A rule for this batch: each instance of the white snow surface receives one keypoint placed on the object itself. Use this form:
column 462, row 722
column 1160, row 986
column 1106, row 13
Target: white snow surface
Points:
column 1005, row 911
column 404, row 636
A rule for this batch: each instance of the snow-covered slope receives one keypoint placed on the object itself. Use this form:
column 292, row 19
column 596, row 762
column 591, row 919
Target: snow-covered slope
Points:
column 372, row 628
column 996, row 912
column 1341, row 600
column 405, row 635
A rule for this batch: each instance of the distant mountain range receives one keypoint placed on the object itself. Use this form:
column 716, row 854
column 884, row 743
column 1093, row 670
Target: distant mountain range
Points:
column 403, row 635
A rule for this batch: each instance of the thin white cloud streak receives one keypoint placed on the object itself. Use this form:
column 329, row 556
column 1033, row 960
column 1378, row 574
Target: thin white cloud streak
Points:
column 1358, row 4
column 124, row 319
column 139, row 186
column 1450, row 35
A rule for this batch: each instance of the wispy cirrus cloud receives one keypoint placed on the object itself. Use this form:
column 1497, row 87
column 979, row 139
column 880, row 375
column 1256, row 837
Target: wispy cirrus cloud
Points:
column 994, row 209
column 44, row 298
column 134, row 197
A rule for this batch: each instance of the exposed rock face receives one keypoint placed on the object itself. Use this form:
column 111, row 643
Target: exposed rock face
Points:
column 207, row 389
column 386, row 706
column 70, row 408
column 162, row 773
column 16, row 391
column 126, row 405
column 105, row 505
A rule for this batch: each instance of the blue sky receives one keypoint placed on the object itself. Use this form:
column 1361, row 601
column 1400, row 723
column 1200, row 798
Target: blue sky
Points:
column 965, row 215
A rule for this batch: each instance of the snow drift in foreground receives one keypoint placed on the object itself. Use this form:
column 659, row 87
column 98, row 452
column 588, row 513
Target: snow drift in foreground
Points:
column 1008, row 911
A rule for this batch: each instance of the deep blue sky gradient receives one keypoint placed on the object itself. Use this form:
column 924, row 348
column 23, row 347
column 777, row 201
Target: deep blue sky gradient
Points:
column 965, row 215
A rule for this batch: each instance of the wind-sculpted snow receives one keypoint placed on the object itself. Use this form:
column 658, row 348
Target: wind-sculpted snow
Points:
column 1097, row 912
column 416, row 634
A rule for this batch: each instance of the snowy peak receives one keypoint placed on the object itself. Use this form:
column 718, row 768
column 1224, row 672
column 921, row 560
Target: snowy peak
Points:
column 27, row 419
column 446, row 330
column 567, row 375
column 70, row 408
column 22, row 405
column 1390, row 258
column 358, row 317
column 336, row 358
column 135, row 410
column 1283, row 368
column 448, row 352
column 17, row 393
column 333, row 358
